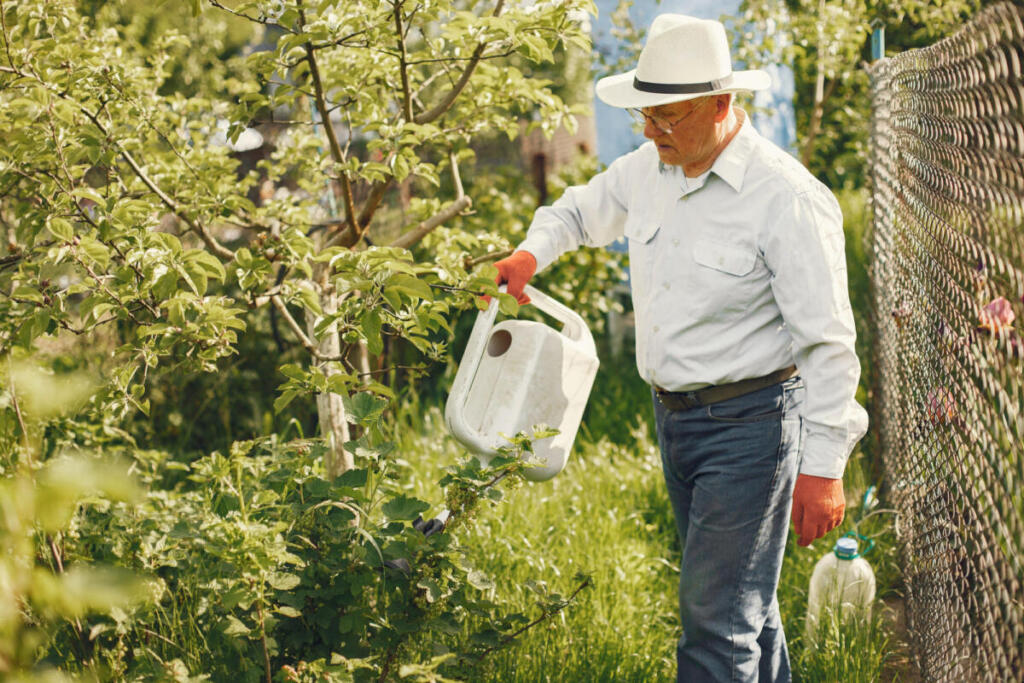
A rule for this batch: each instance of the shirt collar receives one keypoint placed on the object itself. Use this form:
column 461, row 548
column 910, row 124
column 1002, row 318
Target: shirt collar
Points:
column 731, row 164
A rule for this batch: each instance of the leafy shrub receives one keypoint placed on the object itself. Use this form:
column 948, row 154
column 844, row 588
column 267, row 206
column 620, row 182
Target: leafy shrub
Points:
column 269, row 569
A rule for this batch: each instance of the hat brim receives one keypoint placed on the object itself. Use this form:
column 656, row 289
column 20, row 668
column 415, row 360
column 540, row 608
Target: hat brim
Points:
column 618, row 90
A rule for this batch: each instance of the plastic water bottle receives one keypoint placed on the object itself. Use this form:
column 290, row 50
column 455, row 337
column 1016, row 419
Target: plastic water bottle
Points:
column 842, row 582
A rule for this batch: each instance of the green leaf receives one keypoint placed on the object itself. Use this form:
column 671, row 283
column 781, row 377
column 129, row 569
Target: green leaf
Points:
column 507, row 304
column 287, row 611
column 207, row 262
column 28, row 294
column 236, row 627
column 60, row 228
column 100, row 309
column 90, row 194
column 310, row 300
column 411, row 286
column 352, row 479
column 282, row 401
column 479, row 580
column 393, row 297
column 364, row 408
column 431, row 590
column 371, row 324
column 283, row 582
column 244, row 257
column 235, row 597
column 166, row 285
column 294, row 372
column 196, row 277
column 166, row 240
column 96, row 251
column 404, row 508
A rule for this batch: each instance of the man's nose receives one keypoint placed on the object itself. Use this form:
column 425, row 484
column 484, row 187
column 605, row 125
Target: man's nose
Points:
column 651, row 131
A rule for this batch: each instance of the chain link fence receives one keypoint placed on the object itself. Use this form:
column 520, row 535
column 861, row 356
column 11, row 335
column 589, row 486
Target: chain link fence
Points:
column 947, row 193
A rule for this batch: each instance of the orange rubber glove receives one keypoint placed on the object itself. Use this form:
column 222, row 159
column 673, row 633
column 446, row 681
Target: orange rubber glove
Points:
column 818, row 506
column 516, row 271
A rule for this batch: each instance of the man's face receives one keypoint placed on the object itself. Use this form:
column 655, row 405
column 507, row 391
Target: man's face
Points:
column 692, row 135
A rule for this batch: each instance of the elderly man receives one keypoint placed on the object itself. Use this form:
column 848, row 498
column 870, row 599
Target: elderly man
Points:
column 743, row 330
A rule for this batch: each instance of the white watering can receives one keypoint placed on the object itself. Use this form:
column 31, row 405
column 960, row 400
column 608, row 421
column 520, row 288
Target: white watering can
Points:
column 519, row 374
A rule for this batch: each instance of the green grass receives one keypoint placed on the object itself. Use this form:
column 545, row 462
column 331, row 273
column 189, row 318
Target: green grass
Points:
column 608, row 515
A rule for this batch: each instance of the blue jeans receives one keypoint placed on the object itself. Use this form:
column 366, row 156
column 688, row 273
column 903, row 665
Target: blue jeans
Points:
column 730, row 469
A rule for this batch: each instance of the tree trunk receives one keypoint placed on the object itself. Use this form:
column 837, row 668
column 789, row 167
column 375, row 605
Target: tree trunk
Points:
column 363, row 363
column 819, row 90
column 329, row 406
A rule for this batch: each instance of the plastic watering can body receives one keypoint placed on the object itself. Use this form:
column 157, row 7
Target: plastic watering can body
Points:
column 519, row 374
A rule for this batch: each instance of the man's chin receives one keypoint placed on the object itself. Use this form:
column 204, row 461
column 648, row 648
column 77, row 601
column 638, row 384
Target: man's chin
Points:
column 668, row 156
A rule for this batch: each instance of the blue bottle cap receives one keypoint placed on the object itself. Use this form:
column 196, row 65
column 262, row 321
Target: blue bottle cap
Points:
column 846, row 548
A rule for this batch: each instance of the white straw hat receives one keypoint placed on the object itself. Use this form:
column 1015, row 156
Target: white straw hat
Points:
column 683, row 58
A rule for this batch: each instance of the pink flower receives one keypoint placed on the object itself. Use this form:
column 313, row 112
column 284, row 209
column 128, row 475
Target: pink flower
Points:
column 941, row 406
column 996, row 315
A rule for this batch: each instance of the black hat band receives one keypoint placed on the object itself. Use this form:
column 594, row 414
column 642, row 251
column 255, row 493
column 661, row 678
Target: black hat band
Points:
column 682, row 88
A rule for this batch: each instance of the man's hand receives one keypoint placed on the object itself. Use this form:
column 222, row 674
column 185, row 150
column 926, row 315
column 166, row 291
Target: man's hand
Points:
column 516, row 271
column 818, row 506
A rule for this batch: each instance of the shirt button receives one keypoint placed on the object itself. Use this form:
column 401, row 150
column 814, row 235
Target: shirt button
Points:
column 656, row 328
column 667, row 286
column 675, row 243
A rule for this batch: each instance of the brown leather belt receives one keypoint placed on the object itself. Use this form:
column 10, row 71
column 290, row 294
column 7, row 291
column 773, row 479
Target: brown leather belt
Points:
column 684, row 400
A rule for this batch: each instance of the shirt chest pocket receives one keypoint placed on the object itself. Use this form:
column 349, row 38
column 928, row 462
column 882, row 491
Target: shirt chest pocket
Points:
column 641, row 226
column 725, row 258
column 723, row 280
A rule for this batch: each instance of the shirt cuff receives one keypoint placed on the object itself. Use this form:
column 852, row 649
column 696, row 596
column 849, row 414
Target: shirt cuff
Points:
column 542, row 250
column 822, row 454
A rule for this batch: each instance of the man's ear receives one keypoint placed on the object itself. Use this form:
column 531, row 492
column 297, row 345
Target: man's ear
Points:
column 723, row 103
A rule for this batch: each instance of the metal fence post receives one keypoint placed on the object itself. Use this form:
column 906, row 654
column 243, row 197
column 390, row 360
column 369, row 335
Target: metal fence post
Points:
column 877, row 39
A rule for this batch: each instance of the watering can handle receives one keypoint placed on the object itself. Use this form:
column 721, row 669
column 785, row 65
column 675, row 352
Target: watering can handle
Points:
column 575, row 328
column 454, row 409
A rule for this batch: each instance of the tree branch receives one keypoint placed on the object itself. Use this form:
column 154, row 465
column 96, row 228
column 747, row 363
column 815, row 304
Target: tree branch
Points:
column 403, row 73
column 410, row 238
column 211, row 243
column 341, row 41
column 377, row 193
column 306, row 342
column 256, row 20
column 332, row 137
column 448, row 100
column 543, row 617
column 456, row 177
column 817, row 115
column 470, row 262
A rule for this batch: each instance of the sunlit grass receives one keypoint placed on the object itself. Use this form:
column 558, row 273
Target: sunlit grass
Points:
column 608, row 515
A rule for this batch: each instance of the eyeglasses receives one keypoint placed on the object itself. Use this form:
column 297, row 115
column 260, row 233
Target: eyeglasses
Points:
column 660, row 123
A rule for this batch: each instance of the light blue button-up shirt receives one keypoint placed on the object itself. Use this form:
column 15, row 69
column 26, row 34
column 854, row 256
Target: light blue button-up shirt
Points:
column 735, row 275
